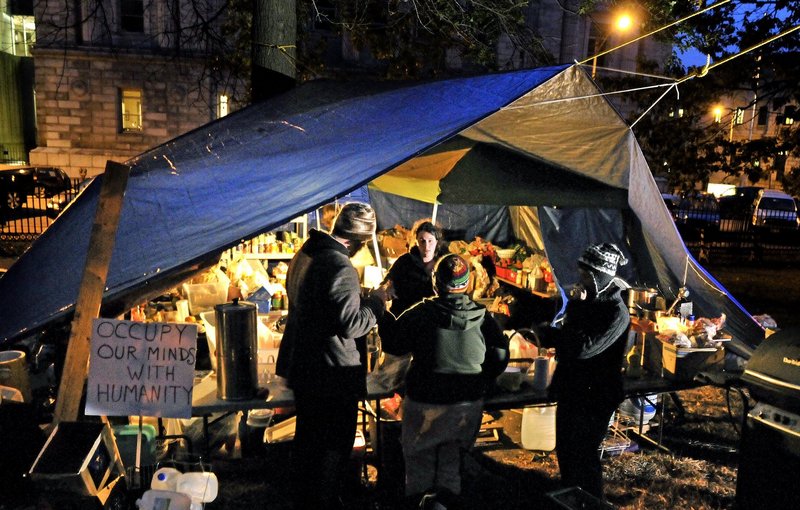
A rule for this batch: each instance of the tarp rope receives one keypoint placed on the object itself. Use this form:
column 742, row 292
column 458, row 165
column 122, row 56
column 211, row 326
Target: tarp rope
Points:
column 704, row 71
column 681, row 20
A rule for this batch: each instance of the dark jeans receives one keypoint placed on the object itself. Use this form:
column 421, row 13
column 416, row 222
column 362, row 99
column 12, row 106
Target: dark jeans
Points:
column 323, row 443
column 581, row 425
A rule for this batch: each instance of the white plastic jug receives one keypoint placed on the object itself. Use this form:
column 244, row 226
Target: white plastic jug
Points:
column 162, row 500
column 539, row 428
column 165, row 479
column 201, row 487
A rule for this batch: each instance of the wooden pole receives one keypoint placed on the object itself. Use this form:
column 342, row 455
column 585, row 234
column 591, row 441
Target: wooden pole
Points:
column 90, row 294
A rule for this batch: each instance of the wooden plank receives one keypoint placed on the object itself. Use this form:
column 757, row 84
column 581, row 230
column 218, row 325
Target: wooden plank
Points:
column 90, row 294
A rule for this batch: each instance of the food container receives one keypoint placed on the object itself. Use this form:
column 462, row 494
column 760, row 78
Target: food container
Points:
column 505, row 253
column 14, row 373
column 203, row 297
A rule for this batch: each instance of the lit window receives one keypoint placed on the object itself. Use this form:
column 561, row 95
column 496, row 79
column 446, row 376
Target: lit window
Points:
column 131, row 109
column 222, row 106
column 788, row 113
column 131, row 15
column 717, row 114
column 738, row 117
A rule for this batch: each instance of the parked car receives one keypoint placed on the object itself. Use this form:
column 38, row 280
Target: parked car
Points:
column 775, row 210
column 699, row 211
column 49, row 180
column 16, row 185
column 739, row 203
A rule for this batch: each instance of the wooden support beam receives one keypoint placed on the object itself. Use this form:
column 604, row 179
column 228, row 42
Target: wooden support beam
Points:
column 90, row 294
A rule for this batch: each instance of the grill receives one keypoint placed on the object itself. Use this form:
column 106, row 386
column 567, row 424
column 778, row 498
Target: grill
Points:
column 769, row 454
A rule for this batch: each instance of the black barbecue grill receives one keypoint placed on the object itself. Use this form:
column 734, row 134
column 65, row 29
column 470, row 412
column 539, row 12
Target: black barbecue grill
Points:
column 769, row 455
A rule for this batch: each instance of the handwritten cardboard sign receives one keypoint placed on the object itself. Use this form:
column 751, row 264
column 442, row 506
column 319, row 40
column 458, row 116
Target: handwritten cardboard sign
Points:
column 141, row 369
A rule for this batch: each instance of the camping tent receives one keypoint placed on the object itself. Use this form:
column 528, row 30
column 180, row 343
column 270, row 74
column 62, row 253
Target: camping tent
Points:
column 541, row 137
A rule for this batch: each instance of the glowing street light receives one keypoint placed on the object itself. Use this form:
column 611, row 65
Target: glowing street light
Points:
column 717, row 111
column 622, row 24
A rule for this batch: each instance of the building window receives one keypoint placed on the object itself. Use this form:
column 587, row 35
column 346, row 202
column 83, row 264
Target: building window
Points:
column 131, row 109
column 738, row 116
column 788, row 113
column 762, row 116
column 131, row 15
column 222, row 106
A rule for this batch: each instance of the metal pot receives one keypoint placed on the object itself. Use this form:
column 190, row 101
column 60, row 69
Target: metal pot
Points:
column 642, row 299
column 651, row 315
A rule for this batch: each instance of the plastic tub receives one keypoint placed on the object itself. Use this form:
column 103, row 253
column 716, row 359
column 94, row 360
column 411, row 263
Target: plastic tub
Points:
column 203, row 297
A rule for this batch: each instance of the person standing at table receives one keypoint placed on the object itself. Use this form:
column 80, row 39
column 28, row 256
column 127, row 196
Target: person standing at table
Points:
column 320, row 354
column 410, row 275
column 458, row 351
column 587, row 383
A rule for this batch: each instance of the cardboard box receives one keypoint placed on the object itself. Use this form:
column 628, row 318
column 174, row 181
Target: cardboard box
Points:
column 680, row 364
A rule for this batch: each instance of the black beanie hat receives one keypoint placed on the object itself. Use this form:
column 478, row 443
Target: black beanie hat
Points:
column 603, row 258
column 356, row 221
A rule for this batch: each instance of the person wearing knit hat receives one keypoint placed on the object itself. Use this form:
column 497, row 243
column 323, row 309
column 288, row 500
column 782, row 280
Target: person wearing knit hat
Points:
column 458, row 350
column 321, row 351
column 587, row 383
column 599, row 263
column 451, row 274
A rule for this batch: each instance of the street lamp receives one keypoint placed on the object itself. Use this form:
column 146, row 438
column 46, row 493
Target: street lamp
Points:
column 622, row 24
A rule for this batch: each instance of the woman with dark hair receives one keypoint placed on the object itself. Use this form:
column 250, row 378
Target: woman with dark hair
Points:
column 410, row 275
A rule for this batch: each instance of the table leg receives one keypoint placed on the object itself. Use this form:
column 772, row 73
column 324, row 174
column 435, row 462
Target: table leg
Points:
column 205, row 436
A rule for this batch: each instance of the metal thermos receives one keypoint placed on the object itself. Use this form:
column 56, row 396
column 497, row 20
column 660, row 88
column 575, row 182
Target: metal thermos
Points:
column 237, row 350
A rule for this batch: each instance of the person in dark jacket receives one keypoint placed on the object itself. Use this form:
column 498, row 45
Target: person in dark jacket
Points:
column 458, row 351
column 587, row 383
column 410, row 275
column 321, row 351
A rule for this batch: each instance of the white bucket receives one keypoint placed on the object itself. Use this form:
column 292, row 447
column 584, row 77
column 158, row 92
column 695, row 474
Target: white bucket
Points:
column 14, row 373
column 539, row 428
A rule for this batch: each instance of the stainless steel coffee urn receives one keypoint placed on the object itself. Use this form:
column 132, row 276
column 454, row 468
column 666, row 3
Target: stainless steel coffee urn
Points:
column 237, row 350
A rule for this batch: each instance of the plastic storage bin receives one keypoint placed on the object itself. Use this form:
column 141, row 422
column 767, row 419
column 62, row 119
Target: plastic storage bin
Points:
column 126, row 436
column 203, row 297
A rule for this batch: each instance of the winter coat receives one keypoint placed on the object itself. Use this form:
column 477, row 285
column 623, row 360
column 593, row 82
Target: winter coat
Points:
column 322, row 344
column 410, row 280
column 590, row 348
column 458, row 349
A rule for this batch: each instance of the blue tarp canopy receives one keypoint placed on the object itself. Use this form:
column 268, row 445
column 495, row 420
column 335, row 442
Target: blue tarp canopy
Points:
column 545, row 134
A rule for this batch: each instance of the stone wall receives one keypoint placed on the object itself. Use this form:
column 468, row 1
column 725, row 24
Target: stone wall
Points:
column 78, row 110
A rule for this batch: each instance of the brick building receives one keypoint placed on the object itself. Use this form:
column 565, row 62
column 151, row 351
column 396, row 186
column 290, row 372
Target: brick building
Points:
column 116, row 78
